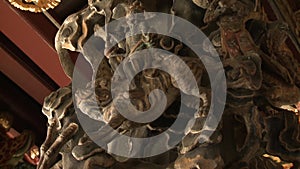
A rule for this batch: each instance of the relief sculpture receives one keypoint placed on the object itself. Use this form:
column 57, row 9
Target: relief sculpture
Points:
column 261, row 116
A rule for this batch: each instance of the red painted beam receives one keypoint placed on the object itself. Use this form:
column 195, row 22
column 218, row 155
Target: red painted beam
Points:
column 22, row 77
column 31, row 42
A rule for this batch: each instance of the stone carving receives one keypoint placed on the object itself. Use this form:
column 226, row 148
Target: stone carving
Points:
column 262, row 78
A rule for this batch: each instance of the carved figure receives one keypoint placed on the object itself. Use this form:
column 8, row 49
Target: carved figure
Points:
column 12, row 150
column 260, row 117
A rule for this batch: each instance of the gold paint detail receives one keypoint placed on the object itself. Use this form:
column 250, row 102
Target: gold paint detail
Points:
column 34, row 5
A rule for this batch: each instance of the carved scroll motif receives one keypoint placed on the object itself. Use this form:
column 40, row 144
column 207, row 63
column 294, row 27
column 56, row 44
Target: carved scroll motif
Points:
column 262, row 74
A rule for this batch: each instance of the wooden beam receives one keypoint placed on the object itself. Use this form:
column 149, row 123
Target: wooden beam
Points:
column 22, row 77
column 31, row 42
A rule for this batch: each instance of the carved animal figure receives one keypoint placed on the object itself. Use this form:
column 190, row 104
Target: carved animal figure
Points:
column 261, row 74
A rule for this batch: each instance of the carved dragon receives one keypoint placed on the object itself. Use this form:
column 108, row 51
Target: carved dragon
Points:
column 262, row 78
